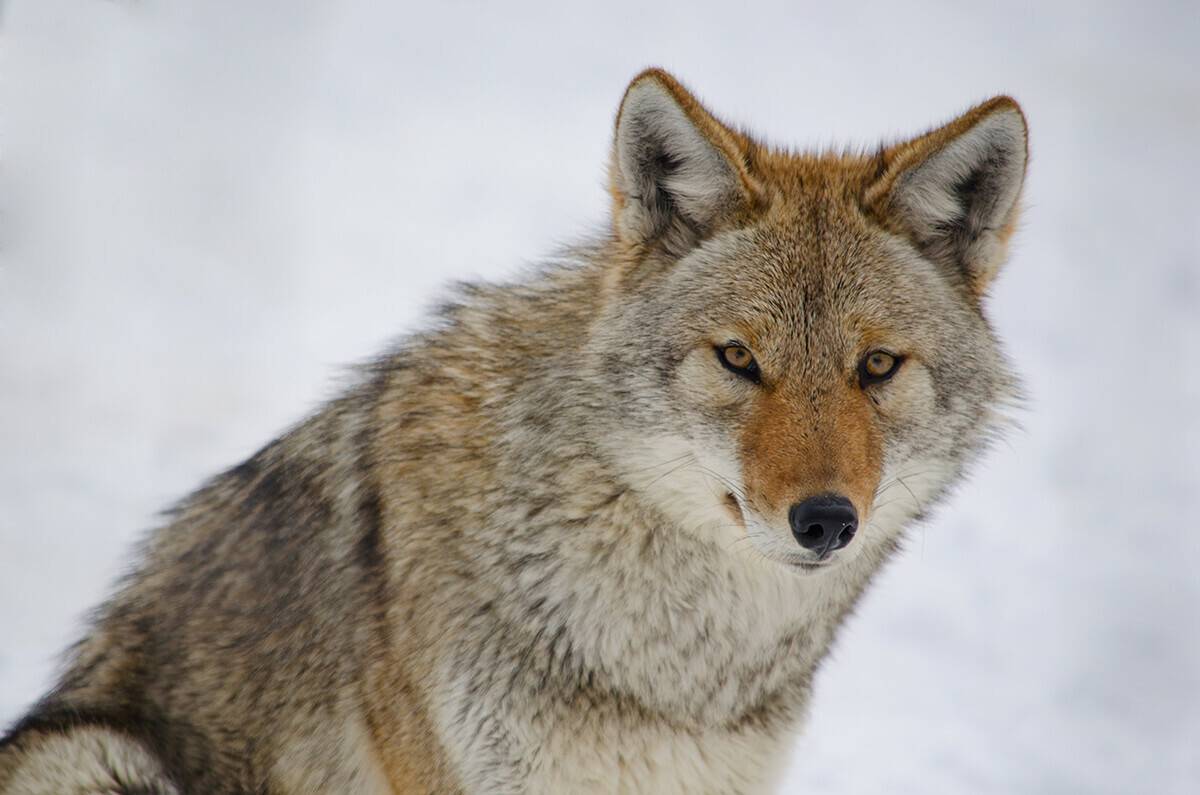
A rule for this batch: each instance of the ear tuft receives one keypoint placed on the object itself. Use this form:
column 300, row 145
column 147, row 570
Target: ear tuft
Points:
column 677, row 173
column 956, row 190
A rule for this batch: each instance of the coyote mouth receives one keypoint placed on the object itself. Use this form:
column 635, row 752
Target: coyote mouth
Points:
column 734, row 508
column 805, row 567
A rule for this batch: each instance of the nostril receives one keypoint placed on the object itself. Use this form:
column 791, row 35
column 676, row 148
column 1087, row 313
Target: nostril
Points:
column 845, row 536
column 823, row 523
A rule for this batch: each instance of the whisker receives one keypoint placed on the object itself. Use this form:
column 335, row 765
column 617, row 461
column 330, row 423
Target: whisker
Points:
column 920, row 507
column 895, row 479
column 663, row 463
column 671, row 471
column 724, row 481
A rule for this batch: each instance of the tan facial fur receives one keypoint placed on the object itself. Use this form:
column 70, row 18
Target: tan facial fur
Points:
column 795, row 447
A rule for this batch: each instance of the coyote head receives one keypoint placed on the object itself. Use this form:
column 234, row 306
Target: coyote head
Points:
column 796, row 342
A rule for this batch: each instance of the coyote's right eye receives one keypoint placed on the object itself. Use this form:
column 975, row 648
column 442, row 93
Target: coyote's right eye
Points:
column 738, row 359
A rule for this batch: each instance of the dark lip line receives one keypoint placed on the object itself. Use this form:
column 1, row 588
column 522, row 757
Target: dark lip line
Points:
column 802, row 564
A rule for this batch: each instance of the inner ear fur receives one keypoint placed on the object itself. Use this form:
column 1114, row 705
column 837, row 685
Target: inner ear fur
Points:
column 676, row 174
column 955, row 192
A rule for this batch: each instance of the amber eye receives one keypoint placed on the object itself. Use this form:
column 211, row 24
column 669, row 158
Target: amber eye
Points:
column 738, row 359
column 878, row 366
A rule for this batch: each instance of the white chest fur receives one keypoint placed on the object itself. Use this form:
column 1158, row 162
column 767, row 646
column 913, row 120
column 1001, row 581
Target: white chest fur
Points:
column 638, row 758
column 697, row 666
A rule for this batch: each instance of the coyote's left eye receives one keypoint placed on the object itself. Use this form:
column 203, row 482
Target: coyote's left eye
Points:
column 878, row 366
column 738, row 359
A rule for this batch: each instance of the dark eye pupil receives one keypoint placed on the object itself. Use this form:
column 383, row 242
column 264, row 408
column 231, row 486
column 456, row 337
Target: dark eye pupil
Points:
column 739, row 360
column 879, row 365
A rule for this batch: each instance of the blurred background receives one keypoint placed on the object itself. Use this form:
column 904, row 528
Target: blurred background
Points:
column 210, row 208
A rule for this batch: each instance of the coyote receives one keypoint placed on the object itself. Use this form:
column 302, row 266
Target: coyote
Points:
column 594, row 530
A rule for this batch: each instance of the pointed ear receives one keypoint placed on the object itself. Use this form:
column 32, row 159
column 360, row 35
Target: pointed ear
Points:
column 677, row 174
column 955, row 191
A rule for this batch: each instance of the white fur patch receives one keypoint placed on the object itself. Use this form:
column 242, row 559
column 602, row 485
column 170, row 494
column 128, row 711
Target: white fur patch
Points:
column 635, row 759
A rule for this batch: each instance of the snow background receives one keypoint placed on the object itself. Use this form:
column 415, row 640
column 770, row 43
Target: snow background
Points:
column 209, row 208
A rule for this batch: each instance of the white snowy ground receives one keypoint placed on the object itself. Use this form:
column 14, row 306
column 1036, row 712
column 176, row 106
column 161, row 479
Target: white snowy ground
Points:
column 210, row 207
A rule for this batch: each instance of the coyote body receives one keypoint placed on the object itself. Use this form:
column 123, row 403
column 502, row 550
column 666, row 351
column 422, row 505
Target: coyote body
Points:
column 552, row 545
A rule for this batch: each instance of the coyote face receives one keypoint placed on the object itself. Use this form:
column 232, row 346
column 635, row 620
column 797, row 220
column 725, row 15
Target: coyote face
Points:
column 798, row 340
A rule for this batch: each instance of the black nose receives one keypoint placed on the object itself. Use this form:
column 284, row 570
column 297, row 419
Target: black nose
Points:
column 823, row 523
